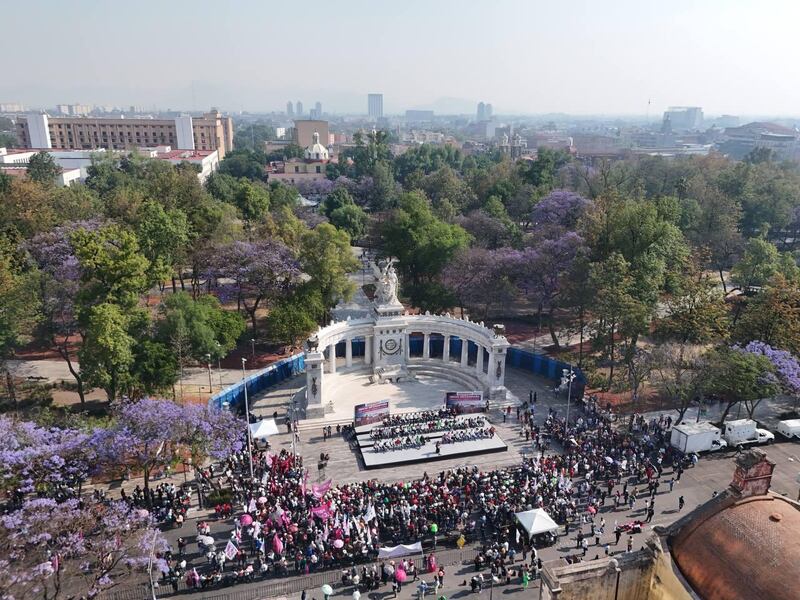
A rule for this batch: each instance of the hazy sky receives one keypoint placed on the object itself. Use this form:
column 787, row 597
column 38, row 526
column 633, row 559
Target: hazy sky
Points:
column 523, row 56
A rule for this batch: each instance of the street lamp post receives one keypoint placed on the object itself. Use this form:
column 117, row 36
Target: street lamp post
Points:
column 219, row 363
column 210, row 385
column 253, row 350
column 569, row 394
column 247, row 421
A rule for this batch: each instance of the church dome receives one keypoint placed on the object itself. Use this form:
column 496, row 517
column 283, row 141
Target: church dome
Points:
column 316, row 151
column 748, row 549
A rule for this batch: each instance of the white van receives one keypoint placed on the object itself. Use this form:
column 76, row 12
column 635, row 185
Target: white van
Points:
column 789, row 429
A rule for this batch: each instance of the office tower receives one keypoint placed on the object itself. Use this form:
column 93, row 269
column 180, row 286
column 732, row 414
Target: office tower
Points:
column 299, row 108
column 375, row 106
column 481, row 114
column 289, row 109
column 488, row 112
column 684, row 118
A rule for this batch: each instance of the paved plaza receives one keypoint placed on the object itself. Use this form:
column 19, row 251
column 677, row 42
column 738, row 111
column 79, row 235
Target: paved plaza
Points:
column 712, row 474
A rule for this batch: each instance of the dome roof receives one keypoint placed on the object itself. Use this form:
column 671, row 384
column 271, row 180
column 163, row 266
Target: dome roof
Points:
column 316, row 151
column 747, row 549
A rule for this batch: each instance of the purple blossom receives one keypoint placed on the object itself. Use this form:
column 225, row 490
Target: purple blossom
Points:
column 786, row 365
column 149, row 433
column 91, row 546
column 560, row 208
column 47, row 460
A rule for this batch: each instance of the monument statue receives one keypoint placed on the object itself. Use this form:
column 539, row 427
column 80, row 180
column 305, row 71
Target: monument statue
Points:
column 386, row 284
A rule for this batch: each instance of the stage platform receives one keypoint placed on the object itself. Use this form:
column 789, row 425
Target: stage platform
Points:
column 427, row 452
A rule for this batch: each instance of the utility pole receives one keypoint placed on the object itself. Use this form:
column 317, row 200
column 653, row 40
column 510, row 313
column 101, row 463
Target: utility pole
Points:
column 247, row 420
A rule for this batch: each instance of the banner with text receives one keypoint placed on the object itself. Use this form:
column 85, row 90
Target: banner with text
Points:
column 464, row 402
column 372, row 412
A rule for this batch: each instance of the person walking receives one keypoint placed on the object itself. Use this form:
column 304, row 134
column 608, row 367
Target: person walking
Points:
column 630, row 543
column 681, row 502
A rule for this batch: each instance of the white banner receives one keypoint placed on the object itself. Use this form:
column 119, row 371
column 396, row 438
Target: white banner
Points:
column 401, row 550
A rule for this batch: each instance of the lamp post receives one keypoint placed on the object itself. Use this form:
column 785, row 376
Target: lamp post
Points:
column 219, row 363
column 253, row 350
column 210, row 385
column 570, row 376
column 247, row 421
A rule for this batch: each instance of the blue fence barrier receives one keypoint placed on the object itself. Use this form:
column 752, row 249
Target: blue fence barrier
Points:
column 546, row 367
column 259, row 381
column 274, row 374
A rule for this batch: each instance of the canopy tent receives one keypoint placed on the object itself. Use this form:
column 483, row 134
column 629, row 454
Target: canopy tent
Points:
column 536, row 521
column 263, row 428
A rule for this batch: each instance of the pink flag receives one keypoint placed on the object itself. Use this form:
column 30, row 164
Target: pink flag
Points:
column 230, row 550
column 269, row 458
column 277, row 544
column 319, row 490
column 323, row 511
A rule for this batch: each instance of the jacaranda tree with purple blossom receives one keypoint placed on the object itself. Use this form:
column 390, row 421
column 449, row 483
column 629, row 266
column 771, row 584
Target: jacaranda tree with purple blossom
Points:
column 261, row 272
column 59, row 284
column 541, row 271
column 49, row 461
column 786, row 365
column 149, row 434
column 71, row 549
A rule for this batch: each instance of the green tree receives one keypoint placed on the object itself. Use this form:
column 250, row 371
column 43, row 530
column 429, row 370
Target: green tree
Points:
column 294, row 318
column 694, row 313
column 252, row 200
column 336, row 199
column 107, row 353
column 163, row 236
column 350, row 218
column 618, row 311
column 244, row 163
column 42, row 168
column 761, row 261
column 738, row 376
column 772, row 316
column 154, row 369
column 113, row 269
column 422, row 243
column 327, row 259
column 208, row 328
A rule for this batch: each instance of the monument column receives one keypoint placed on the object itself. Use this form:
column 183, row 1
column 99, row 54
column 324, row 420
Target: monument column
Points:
column 348, row 352
column 332, row 358
column 407, row 348
column 426, row 345
column 479, row 362
column 367, row 350
column 464, row 352
column 314, row 378
column 446, row 349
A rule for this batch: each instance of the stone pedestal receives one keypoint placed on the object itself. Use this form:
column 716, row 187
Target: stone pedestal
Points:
column 314, row 385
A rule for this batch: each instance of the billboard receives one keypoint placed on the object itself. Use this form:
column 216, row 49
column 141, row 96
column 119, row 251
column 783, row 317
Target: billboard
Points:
column 464, row 402
column 372, row 412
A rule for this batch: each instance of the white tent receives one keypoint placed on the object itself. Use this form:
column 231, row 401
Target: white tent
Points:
column 263, row 428
column 536, row 521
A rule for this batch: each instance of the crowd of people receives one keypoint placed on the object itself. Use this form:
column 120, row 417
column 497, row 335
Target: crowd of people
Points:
column 427, row 427
column 286, row 526
column 467, row 435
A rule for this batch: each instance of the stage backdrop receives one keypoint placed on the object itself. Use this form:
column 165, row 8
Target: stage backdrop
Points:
column 372, row 412
column 464, row 402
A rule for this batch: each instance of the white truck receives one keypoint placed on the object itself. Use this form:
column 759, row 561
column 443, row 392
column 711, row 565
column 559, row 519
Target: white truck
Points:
column 743, row 432
column 697, row 437
column 790, row 429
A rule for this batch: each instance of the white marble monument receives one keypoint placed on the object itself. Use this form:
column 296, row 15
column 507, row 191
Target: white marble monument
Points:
column 386, row 334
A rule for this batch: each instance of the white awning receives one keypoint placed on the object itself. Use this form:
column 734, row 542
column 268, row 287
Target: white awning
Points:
column 263, row 428
column 536, row 521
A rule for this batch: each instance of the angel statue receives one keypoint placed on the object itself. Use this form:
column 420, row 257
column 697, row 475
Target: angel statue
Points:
column 386, row 285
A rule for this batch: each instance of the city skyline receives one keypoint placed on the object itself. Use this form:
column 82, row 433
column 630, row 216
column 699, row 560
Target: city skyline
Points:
column 529, row 58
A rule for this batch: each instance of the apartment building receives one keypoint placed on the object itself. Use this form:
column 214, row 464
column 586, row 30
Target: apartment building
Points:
column 212, row 131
